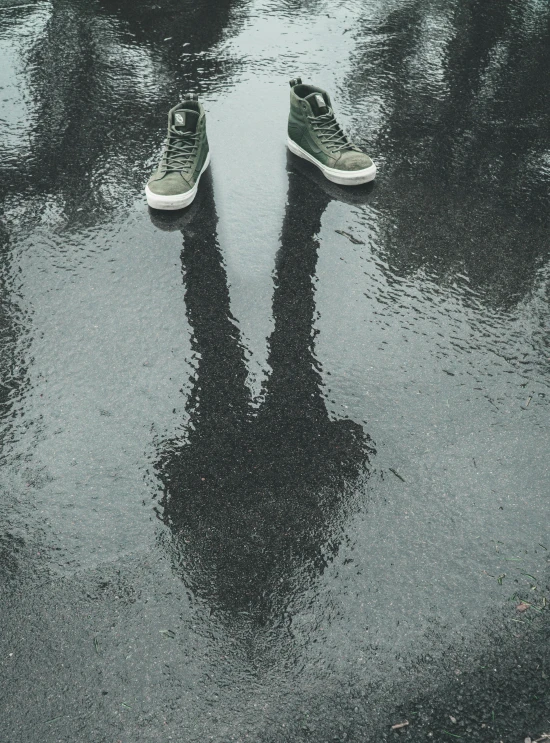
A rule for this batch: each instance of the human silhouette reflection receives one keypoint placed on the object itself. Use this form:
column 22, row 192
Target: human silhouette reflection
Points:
column 255, row 497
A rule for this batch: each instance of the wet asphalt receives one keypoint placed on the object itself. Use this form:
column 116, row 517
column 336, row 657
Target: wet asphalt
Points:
column 275, row 468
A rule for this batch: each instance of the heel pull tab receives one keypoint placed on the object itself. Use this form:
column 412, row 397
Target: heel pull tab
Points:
column 191, row 97
column 296, row 81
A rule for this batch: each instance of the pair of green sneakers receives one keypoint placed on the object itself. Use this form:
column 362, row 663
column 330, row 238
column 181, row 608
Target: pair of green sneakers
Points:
column 313, row 134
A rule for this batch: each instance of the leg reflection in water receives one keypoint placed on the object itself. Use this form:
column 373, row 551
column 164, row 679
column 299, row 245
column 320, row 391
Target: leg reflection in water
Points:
column 255, row 497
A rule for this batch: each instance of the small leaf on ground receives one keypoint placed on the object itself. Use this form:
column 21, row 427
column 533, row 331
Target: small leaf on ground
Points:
column 396, row 474
column 399, row 725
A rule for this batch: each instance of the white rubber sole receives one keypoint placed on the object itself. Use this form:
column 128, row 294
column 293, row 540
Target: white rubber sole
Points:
column 180, row 200
column 342, row 177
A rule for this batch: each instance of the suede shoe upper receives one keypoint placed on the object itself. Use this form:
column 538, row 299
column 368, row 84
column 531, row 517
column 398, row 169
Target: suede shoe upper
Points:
column 312, row 125
column 185, row 151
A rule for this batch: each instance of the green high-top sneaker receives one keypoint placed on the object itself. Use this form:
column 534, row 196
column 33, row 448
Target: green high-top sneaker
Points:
column 315, row 135
column 185, row 158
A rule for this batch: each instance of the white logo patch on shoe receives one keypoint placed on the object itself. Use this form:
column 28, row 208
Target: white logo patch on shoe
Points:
column 320, row 102
column 180, row 119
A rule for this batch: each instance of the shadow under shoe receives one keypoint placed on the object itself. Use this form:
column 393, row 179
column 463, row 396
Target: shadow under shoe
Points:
column 349, row 195
column 174, row 221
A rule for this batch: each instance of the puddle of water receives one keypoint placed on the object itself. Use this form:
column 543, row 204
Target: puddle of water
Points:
column 178, row 391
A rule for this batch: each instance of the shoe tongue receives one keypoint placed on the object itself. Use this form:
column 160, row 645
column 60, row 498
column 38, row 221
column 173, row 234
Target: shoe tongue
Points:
column 317, row 103
column 184, row 120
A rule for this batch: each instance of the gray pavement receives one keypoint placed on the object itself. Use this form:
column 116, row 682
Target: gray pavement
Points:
column 276, row 468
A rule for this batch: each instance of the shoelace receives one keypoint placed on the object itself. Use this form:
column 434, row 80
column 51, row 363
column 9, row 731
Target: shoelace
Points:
column 180, row 148
column 331, row 133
